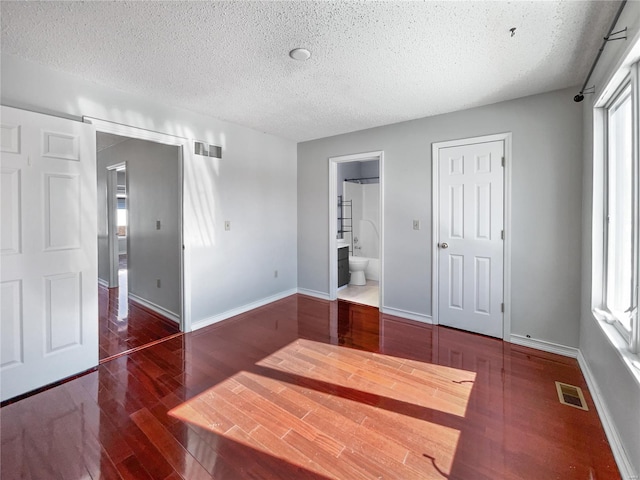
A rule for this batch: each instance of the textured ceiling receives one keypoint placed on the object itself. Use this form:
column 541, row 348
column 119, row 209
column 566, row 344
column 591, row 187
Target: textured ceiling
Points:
column 372, row 63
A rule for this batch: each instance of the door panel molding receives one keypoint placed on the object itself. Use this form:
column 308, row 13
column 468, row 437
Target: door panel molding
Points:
column 505, row 137
column 11, row 235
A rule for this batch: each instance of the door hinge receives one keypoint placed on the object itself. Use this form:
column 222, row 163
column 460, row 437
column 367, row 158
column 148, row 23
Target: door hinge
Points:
column 503, row 161
column 502, row 234
column 502, row 307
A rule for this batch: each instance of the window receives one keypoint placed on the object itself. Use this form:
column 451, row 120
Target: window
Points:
column 620, row 255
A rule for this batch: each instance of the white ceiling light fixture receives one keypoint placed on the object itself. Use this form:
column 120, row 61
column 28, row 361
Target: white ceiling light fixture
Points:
column 300, row 54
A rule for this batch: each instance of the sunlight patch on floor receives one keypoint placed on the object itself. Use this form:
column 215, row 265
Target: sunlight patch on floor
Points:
column 346, row 403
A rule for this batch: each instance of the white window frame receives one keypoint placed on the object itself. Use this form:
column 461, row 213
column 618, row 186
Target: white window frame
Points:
column 627, row 84
column 627, row 76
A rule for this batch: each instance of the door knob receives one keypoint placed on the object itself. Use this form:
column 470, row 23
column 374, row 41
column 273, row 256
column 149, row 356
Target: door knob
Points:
column 444, row 245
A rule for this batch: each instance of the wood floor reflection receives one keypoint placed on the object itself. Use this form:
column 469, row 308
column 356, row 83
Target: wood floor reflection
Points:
column 304, row 388
column 125, row 325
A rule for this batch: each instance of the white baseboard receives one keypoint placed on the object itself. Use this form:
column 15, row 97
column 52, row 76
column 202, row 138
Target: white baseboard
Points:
column 314, row 293
column 104, row 283
column 544, row 346
column 244, row 308
column 622, row 459
column 156, row 308
column 418, row 317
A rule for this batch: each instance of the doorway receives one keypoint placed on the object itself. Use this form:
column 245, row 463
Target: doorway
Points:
column 117, row 219
column 356, row 228
column 139, row 253
column 471, row 253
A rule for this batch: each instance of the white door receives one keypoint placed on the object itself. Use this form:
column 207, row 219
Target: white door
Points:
column 470, row 263
column 49, row 322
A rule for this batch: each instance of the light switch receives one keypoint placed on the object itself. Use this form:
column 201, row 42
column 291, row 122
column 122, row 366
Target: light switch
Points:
column 227, row 225
column 416, row 224
column 157, row 224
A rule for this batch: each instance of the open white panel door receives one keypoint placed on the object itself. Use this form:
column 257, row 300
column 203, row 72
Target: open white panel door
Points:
column 49, row 322
column 471, row 247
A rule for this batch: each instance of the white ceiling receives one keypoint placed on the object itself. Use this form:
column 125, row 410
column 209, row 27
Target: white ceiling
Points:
column 372, row 63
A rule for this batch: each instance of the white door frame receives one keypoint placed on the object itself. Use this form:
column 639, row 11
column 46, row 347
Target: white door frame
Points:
column 333, row 215
column 435, row 214
column 112, row 222
column 185, row 155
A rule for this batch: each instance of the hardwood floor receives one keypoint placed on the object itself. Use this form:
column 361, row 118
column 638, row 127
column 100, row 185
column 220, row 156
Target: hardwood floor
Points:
column 125, row 325
column 304, row 388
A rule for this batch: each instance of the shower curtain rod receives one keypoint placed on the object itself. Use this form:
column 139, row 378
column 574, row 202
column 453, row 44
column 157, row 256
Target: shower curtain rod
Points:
column 362, row 178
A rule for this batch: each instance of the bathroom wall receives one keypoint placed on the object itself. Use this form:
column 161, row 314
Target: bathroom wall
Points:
column 369, row 225
column 370, row 168
column 348, row 170
column 366, row 218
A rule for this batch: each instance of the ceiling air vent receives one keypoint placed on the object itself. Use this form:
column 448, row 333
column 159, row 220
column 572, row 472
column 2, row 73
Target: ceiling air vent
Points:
column 571, row 395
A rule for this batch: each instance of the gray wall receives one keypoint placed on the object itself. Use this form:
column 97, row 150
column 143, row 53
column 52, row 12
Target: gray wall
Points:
column 347, row 170
column 617, row 387
column 546, row 206
column 253, row 186
column 153, row 194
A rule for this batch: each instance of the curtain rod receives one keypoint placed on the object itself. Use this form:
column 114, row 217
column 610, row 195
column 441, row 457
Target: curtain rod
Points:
column 580, row 96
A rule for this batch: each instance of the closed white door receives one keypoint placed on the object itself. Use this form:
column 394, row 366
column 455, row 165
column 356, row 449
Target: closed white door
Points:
column 49, row 323
column 470, row 248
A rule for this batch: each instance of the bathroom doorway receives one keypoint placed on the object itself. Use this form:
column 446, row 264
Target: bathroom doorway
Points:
column 356, row 213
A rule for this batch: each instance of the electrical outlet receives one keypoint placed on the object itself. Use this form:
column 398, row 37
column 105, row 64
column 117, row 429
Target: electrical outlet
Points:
column 416, row 224
column 227, row 225
column 158, row 283
column 157, row 224
column 275, row 274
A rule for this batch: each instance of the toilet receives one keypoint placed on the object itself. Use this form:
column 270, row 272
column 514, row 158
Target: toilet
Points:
column 356, row 269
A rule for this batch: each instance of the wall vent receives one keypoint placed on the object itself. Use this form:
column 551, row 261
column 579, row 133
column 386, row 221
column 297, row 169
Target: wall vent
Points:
column 207, row 150
column 571, row 395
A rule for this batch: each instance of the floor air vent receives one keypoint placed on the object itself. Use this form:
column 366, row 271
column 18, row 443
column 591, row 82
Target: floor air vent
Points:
column 571, row 395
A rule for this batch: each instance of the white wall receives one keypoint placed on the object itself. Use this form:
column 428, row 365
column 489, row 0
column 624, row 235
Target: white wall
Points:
column 153, row 194
column 253, row 186
column 616, row 386
column 546, row 205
